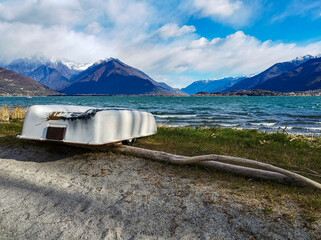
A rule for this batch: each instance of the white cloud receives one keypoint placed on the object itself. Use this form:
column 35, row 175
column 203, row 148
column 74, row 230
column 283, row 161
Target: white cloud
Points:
column 227, row 11
column 74, row 29
column 199, row 43
column 221, row 8
column 41, row 11
column 236, row 54
column 23, row 40
column 128, row 13
column 173, row 30
column 93, row 28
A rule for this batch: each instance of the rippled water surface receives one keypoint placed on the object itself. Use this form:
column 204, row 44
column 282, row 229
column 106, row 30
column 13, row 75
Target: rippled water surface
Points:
column 300, row 115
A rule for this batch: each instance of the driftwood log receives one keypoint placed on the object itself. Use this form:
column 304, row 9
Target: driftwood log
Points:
column 240, row 166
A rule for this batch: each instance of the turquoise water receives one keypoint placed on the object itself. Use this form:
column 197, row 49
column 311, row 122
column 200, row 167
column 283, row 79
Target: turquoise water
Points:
column 300, row 115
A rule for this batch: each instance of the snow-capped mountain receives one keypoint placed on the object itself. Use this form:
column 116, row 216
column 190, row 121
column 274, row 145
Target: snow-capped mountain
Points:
column 299, row 60
column 113, row 77
column 273, row 71
column 305, row 77
column 76, row 66
column 53, row 73
column 107, row 76
column 26, row 66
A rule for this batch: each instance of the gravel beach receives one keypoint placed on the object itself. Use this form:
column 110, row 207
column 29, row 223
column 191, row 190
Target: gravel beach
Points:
column 50, row 191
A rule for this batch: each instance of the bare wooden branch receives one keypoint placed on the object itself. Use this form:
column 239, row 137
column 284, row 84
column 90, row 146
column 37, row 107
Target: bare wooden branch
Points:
column 242, row 166
column 249, row 172
column 258, row 165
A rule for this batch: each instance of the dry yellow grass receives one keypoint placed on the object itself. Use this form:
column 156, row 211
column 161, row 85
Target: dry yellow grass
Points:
column 7, row 113
column 18, row 112
column 4, row 113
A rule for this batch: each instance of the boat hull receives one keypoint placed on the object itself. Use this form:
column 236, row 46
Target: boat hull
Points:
column 86, row 125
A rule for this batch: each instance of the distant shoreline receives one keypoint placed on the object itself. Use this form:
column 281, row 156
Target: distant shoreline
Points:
column 241, row 93
column 257, row 93
column 96, row 95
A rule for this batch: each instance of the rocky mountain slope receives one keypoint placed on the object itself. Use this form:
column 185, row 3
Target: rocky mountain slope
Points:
column 15, row 84
column 275, row 70
column 211, row 85
column 306, row 76
column 52, row 73
column 113, row 77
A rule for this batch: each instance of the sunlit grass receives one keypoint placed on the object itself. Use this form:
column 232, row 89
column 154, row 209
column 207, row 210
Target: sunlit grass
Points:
column 276, row 148
column 11, row 128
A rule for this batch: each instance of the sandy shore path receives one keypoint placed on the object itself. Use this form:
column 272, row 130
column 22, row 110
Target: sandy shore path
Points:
column 58, row 192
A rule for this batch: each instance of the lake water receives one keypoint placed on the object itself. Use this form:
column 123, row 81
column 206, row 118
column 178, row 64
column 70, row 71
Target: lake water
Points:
column 300, row 115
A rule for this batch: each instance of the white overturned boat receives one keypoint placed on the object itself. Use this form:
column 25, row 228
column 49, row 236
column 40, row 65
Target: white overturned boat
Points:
column 86, row 125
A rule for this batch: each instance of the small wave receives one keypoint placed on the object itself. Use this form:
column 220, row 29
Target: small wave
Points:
column 305, row 128
column 175, row 116
column 160, row 124
column 219, row 118
column 229, row 124
column 283, row 127
column 263, row 124
column 313, row 128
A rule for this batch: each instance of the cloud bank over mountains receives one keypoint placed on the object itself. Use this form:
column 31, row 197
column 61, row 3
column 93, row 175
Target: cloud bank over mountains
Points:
column 156, row 38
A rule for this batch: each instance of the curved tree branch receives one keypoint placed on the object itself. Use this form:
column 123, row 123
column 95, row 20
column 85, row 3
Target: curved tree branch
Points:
column 236, row 165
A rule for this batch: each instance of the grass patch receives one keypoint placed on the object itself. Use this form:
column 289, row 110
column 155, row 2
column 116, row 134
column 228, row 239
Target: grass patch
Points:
column 280, row 149
column 11, row 128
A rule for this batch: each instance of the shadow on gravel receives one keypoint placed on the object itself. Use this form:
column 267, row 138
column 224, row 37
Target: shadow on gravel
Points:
column 36, row 151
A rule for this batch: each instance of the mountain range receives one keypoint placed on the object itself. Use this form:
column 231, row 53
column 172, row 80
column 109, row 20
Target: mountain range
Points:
column 211, row 85
column 105, row 77
column 113, row 77
column 15, row 84
column 300, row 74
column 277, row 69
column 305, row 77
column 53, row 73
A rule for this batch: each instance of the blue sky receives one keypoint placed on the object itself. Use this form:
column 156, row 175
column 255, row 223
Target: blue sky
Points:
column 172, row 41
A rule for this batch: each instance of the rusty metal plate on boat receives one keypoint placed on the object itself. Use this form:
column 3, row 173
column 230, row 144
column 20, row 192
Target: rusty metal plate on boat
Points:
column 56, row 133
